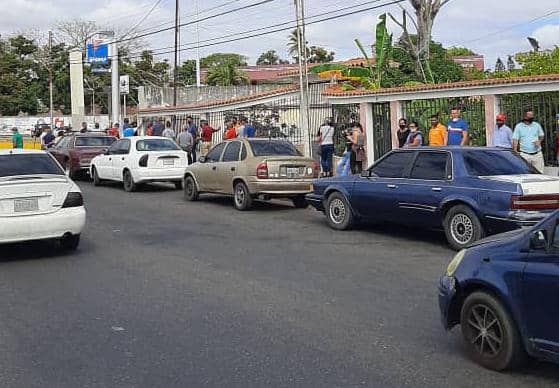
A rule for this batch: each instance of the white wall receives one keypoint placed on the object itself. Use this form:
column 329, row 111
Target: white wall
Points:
column 26, row 123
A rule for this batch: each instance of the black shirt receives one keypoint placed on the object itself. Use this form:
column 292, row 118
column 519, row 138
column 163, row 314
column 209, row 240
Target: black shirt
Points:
column 402, row 137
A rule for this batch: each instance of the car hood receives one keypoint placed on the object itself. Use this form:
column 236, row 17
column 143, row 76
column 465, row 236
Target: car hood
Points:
column 530, row 183
column 498, row 239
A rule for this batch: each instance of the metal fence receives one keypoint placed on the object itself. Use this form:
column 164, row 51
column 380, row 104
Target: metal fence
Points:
column 545, row 107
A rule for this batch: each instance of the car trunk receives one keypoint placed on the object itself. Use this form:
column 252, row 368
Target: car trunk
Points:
column 23, row 195
column 166, row 159
column 531, row 184
column 289, row 167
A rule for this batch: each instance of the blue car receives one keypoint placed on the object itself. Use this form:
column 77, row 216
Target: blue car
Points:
column 468, row 192
column 504, row 292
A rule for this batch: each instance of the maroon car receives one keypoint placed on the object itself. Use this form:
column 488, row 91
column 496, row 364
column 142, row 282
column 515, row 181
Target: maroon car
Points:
column 74, row 152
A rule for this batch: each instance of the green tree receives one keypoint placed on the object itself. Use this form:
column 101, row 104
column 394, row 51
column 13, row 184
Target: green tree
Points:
column 270, row 57
column 459, row 52
column 226, row 74
column 186, row 73
column 320, row 55
column 223, row 58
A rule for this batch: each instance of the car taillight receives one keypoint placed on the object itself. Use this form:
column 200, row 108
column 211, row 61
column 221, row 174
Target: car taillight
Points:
column 262, row 171
column 73, row 199
column 143, row 161
column 534, row 202
column 315, row 170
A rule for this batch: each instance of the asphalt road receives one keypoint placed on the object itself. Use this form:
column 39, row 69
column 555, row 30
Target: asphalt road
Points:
column 164, row 293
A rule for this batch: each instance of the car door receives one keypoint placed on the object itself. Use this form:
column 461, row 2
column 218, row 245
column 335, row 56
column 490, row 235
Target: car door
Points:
column 60, row 151
column 421, row 193
column 206, row 172
column 104, row 162
column 121, row 159
column 374, row 197
column 228, row 167
column 540, row 294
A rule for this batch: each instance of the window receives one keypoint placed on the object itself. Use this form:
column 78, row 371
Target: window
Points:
column 231, row 153
column 114, row 148
column 215, row 153
column 157, row 145
column 94, row 141
column 394, row 165
column 28, row 164
column 490, row 163
column 64, row 143
column 430, row 166
column 243, row 152
column 273, row 147
column 124, row 147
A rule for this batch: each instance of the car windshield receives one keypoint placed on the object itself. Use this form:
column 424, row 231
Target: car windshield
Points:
column 28, row 164
column 94, row 141
column 157, row 145
column 491, row 163
column 273, row 147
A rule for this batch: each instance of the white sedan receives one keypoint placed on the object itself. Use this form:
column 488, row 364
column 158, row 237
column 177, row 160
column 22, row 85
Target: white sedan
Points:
column 140, row 159
column 37, row 200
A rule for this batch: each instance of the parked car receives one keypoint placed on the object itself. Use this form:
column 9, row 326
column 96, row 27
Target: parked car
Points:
column 504, row 292
column 37, row 200
column 252, row 168
column 137, row 160
column 75, row 152
column 468, row 192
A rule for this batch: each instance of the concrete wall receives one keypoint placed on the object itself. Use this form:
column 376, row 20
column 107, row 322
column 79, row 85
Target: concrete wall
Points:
column 26, row 123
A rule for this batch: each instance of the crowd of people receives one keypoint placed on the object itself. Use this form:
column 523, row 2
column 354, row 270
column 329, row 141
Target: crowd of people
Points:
column 354, row 150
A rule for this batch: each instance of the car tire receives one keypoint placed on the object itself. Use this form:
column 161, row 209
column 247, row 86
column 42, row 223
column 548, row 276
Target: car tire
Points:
column 190, row 189
column 242, row 199
column 485, row 322
column 300, row 202
column 68, row 170
column 462, row 227
column 70, row 243
column 95, row 176
column 128, row 182
column 178, row 185
column 338, row 212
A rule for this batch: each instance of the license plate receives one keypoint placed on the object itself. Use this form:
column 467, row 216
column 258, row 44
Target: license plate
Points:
column 168, row 162
column 292, row 172
column 26, row 205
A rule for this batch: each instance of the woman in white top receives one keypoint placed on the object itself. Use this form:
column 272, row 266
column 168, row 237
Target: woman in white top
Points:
column 326, row 141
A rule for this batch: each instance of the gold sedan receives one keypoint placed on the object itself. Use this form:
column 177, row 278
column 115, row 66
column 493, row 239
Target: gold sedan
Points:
column 251, row 169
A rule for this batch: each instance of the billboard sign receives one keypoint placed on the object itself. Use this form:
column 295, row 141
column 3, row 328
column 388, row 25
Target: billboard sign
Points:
column 98, row 52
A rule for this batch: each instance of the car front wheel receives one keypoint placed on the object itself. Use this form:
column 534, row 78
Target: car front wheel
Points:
column 242, row 197
column 338, row 212
column 490, row 335
column 462, row 227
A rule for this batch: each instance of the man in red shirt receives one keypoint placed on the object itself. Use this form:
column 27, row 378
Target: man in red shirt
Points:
column 114, row 131
column 207, row 134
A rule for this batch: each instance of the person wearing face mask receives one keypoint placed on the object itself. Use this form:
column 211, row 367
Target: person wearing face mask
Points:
column 415, row 138
column 403, row 132
column 457, row 129
column 527, row 138
column 502, row 134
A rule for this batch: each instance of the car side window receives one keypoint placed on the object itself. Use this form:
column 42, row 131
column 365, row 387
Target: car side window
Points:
column 113, row 149
column 215, row 153
column 243, row 151
column 63, row 143
column 124, row 147
column 430, row 166
column 231, row 153
column 394, row 165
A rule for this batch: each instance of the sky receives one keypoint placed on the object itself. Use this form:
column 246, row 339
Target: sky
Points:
column 494, row 28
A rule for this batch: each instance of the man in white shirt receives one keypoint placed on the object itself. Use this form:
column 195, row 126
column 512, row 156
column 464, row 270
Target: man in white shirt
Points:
column 326, row 141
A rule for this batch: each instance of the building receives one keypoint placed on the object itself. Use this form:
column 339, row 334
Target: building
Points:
column 471, row 62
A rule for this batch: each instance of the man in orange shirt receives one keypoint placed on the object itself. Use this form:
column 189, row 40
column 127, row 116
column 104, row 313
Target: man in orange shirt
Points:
column 438, row 136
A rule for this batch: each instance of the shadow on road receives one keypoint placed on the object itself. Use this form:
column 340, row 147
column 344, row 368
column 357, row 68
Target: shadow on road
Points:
column 34, row 250
column 147, row 187
column 257, row 206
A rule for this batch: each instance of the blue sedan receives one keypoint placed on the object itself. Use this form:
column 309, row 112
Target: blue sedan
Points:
column 504, row 292
column 468, row 192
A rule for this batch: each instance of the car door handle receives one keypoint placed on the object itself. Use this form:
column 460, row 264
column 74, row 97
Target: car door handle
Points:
column 214, row 168
column 122, row 158
column 110, row 159
column 437, row 189
column 233, row 168
column 392, row 186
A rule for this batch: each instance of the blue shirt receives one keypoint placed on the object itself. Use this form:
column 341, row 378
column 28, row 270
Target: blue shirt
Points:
column 456, row 131
column 158, row 129
column 249, row 131
column 527, row 134
column 128, row 132
column 502, row 137
column 193, row 130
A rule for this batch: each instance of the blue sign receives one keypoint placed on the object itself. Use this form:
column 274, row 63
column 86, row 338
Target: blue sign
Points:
column 98, row 53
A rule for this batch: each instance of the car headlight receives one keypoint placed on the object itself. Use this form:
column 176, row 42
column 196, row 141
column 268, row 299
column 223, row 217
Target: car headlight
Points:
column 453, row 266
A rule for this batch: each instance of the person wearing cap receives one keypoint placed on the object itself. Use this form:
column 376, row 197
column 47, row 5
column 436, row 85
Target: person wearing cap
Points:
column 502, row 134
column 17, row 139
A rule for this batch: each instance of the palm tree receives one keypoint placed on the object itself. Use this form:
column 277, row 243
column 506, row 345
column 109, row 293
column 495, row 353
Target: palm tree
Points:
column 293, row 47
column 226, row 75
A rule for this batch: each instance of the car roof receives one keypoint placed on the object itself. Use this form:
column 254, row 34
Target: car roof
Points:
column 19, row 151
column 453, row 149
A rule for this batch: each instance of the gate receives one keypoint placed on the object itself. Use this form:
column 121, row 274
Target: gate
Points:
column 382, row 134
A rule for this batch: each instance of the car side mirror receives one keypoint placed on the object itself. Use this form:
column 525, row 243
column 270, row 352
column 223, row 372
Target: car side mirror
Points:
column 366, row 174
column 202, row 159
column 538, row 240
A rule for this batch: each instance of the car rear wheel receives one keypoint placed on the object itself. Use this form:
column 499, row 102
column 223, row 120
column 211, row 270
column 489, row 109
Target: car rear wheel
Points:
column 190, row 189
column 128, row 181
column 300, row 202
column 95, row 176
column 462, row 227
column 242, row 197
column 490, row 335
column 70, row 242
column 68, row 170
column 338, row 212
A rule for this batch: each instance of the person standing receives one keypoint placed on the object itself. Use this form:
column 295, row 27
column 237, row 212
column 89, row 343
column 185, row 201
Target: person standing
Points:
column 457, row 129
column 207, row 133
column 186, row 142
column 502, row 134
column 357, row 157
column 158, row 128
column 250, row 131
column 438, row 136
column 230, row 133
column 241, row 127
column 168, row 131
column 326, row 141
column 415, row 138
column 403, row 132
column 48, row 140
column 17, row 139
column 193, row 129
column 527, row 138
column 149, row 129
column 84, row 128
column 114, row 131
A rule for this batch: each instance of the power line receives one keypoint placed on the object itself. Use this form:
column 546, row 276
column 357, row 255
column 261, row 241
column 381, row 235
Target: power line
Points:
column 143, row 18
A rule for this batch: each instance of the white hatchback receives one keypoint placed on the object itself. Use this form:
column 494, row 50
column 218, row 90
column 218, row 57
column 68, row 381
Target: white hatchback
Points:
column 37, row 200
column 140, row 159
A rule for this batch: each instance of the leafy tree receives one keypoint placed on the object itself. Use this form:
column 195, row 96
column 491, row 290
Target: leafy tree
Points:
column 186, row 73
column 320, row 55
column 293, row 46
column 270, row 57
column 226, row 74
column 537, row 63
column 499, row 66
column 223, row 58
column 459, row 52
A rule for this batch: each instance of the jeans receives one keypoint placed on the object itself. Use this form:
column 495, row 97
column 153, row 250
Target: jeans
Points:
column 326, row 157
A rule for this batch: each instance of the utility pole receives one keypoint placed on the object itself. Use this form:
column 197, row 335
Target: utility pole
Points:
column 303, row 76
column 51, row 104
column 198, row 80
column 176, row 52
column 115, row 83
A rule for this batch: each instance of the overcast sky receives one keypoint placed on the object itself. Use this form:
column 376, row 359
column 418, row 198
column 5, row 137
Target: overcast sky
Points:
column 471, row 23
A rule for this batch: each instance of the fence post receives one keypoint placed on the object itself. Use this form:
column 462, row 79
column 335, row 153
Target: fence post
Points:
column 396, row 113
column 492, row 109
